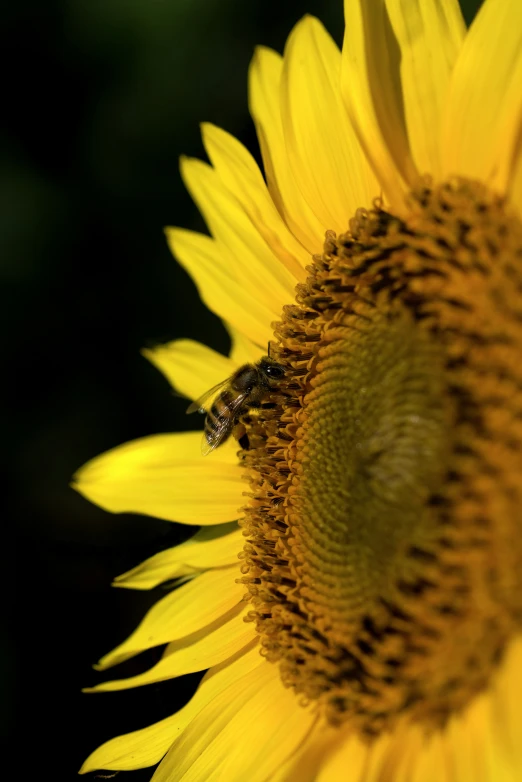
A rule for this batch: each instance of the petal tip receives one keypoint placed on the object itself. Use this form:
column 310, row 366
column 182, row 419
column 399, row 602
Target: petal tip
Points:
column 306, row 23
column 262, row 53
column 208, row 127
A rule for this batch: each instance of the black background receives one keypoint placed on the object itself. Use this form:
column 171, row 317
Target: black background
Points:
column 100, row 98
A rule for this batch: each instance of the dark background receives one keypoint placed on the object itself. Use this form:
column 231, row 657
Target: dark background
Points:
column 100, row 97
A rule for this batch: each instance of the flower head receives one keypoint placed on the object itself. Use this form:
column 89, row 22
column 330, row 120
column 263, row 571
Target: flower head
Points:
column 363, row 618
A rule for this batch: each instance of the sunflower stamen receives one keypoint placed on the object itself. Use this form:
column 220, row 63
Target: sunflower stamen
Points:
column 386, row 584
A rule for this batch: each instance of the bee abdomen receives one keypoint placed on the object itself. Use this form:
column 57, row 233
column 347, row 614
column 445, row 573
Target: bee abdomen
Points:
column 220, row 417
column 222, row 405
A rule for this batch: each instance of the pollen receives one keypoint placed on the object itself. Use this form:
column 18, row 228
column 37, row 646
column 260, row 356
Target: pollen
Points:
column 383, row 555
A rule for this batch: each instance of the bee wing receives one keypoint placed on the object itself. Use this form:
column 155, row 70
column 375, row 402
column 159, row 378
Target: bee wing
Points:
column 201, row 405
column 222, row 425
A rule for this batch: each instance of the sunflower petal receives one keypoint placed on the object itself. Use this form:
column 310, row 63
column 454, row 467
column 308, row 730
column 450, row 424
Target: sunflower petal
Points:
column 162, row 476
column 506, row 705
column 429, row 36
column 200, row 651
column 432, row 762
column 215, row 681
column 159, row 568
column 243, row 350
column 212, row 746
column 484, row 742
column 264, row 100
column 208, row 266
column 385, row 759
column 190, row 367
column 275, row 715
column 239, row 172
column 394, row 756
column 305, row 764
column 484, row 107
column 139, row 749
column 372, row 92
column 146, row 747
column 211, row 547
column 326, row 158
column 250, row 260
column 351, row 753
column 188, row 609
column 468, row 740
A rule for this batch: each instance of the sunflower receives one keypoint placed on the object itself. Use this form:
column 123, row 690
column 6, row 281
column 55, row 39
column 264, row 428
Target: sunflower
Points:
column 362, row 620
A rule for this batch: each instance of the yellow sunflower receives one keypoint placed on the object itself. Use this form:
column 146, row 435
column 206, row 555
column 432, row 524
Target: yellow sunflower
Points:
column 363, row 618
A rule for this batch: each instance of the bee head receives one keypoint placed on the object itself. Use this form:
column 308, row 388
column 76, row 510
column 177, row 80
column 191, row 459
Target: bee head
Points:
column 271, row 369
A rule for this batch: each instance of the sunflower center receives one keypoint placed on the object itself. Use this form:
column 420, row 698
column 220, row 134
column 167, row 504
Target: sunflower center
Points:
column 374, row 450
column 382, row 558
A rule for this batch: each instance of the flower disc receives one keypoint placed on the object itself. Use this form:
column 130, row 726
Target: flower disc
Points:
column 382, row 557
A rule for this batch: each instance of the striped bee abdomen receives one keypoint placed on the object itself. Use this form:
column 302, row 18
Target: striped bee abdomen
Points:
column 221, row 418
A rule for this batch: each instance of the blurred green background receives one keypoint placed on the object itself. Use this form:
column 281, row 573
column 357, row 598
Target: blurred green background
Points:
column 100, row 99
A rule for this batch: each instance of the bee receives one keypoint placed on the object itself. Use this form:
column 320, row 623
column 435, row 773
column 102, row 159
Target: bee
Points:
column 232, row 397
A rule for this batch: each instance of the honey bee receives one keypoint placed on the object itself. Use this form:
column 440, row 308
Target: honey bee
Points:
column 232, row 397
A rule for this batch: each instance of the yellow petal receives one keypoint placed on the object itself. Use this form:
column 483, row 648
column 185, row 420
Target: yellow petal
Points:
column 163, row 476
column 243, row 350
column 240, row 174
column 484, row 107
column 429, row 35
column 372, row 92
column 351, row 754
column 264, row 100
column 468, row 740
column 272, row 714
column 200, row 651
column 264, row 81
column 325, row 156
column 246, row 732
column 305, row 764
column 211, row 547
column 139, row 749
column 146, row 747
column 209, row 267
column 484, row 742
column 186, row 610
column 390, row 757
column 250, row 260
column 506, row 703
column 190, row 367
column 432, row 762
